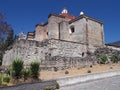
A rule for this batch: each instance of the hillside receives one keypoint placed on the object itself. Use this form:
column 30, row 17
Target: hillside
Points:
column 115, row 43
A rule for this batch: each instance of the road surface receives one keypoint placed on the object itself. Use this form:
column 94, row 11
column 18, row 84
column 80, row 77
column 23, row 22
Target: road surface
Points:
column 112, row 83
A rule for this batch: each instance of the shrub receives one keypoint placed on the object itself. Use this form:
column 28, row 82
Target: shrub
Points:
column 66, row 72
column 0, row 78
column 35, row 89
column 78, row 68
column 91, row 66
column 89, row 71
column 6, row 79
column 49, row 88
column 102, row 59
column 9, row 70
column 34, row 67
column 25, row 73
column 114, row 58
column 111, row 67
column 4, row 85
column 17, row 66
column 55, row 69
column 57, row 86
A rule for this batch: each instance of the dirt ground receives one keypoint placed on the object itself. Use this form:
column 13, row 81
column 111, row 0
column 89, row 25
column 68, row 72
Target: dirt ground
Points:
column 48, row 75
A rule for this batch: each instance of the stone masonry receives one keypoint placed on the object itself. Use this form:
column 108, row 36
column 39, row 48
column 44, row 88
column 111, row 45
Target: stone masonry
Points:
column 33, row 50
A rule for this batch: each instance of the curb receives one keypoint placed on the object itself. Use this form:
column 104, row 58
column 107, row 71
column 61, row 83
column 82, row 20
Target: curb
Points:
column 84, row 78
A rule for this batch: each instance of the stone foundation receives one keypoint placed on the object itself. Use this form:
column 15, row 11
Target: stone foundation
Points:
column 55, row 53
column 29, row 51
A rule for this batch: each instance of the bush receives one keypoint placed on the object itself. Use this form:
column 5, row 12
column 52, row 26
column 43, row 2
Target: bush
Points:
column 8, row 70
column 89, row 71
column 25, row 73
column 55, row 69
column 91, row 66
column 66, row 72
column 34, row 67
column 4, row 85
column 49, row 88
column 6, row 79
column 111, row 67
column 17, row 66
column 0, row 78
column 102, row 59
column 114, row 58
column 57, row 86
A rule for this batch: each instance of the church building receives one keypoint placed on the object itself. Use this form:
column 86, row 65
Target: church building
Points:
column 63, row 40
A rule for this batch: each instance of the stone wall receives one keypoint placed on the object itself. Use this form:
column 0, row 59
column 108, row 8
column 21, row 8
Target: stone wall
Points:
column 58, row 62
column 30, row 50
column 41, row 33
column 64, row 33
column 53, row 26
column 55, row 53
column 107, row 51
column 79, row 34
column 66, row 48
column 86, row 31
column 26, row 50
column 95, row 33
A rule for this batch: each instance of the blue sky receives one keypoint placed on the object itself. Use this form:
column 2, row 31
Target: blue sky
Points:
column 23, row 15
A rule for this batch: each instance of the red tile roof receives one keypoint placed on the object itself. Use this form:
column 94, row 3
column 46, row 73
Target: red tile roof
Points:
column 68, row 16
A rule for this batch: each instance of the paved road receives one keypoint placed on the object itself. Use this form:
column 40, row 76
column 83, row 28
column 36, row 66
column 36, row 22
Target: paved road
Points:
column 112, row 83
column 32, row 86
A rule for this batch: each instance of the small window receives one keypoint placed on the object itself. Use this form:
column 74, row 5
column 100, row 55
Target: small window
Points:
column 72, row 29
column 83, row 54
